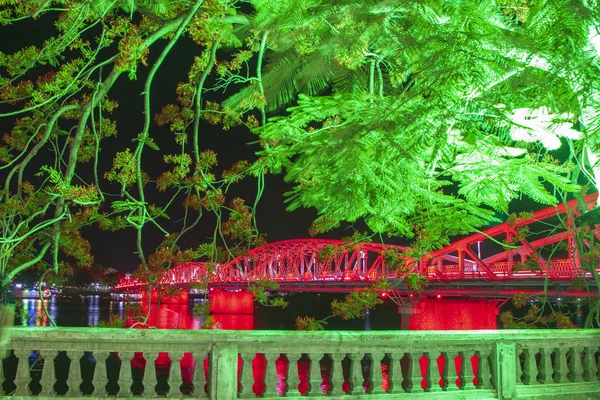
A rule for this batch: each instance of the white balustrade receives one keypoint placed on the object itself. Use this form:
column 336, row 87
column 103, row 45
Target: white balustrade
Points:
column 402, row 364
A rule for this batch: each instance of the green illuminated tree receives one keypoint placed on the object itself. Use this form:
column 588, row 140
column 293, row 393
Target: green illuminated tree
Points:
column 424, row 119
column 57, row 95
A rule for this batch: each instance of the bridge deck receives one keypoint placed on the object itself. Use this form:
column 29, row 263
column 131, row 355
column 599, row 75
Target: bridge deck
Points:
column 332, row 265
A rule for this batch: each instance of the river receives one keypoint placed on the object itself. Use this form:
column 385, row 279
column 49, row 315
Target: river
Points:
column 85, row 311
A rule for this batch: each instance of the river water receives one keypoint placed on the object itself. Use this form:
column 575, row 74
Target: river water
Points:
column 85, row 311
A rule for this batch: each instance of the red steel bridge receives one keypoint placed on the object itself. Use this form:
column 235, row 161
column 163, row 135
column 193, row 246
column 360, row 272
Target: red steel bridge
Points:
column 461, row 267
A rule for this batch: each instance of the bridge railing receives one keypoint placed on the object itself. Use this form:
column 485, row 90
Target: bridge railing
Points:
column 560, row 269
column 229, row 364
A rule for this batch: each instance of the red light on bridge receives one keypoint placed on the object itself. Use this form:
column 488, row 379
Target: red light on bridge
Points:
column 439, row 296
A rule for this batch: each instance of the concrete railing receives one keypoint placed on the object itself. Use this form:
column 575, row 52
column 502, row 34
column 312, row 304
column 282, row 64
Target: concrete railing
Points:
column 534, row 364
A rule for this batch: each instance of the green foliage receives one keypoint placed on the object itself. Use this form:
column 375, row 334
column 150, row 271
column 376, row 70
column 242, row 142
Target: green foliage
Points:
column 382, row 285
column 530, row 265
column 75, row 193
column 590, row 257
column 589, row 218
column 441, row 117
column 513, row 218
column 260, row 291
column 326, row 253
column 415, row 282
column 357, row 237
column 355, row 304
column 396, row 259
column 113, row 322
column 124, row 168
column 202, row 310
column 307, row 323
column 520, row 300
column 534, row 318
column 18, row 309
column 579, row 283
column 208, row 321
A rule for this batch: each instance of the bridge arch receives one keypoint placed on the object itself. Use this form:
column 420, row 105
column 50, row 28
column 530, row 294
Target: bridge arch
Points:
column 328, row 260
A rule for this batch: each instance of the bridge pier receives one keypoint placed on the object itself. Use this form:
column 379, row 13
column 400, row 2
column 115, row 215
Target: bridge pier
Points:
column 181, row 298
column 449, row 314
column 225, row 302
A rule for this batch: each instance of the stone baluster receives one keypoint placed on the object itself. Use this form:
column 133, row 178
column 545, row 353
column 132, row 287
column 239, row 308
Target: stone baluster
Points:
column 377, row 373
column 545, row 368
column 293, row 379
column 247, row 376
column 575, row 367
column 2, row 378
column 560, row 365
column 433, row 372
column 590, row 368
column 355, row 377
column 518, row 369
column 466, row 371
column 395, row 374
column 271, row 375
column 315, row 379
column 199, row 378
column 450, row 376
column 484, row 373
column 100, row 379
column 23, row 376
column 125, row 376
column 336, row 375
column 175, row 380
column 529, row 367
column 74, row 379
column 414, row 372
column 48, row 379
column 150, row 380
column 367, row 374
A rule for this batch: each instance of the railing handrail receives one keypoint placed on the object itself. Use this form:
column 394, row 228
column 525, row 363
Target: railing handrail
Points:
column 505, row 365
column 57, row 337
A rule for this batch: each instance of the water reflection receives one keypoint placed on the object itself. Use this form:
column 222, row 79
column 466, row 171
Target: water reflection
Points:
column 90, row 310
column 33, row 313
column 93, row 309
column 367, row 320
column 242, row 322
column 170, row 316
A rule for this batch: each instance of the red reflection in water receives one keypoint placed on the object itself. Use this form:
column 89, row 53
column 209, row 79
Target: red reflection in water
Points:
column 434, row 314
column 169, row 316
column 179, row 316
column 240, row 322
